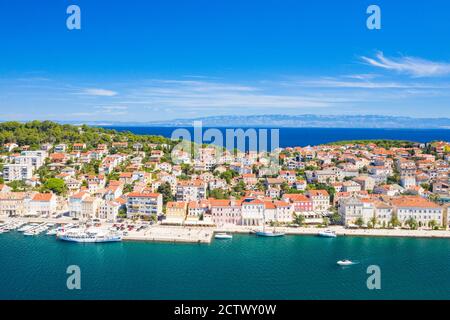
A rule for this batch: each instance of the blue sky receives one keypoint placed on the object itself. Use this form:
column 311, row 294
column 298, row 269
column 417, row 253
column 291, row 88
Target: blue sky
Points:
column 140, row 60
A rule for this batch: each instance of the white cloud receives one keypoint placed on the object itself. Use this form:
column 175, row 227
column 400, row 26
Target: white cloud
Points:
column 112, row 108
column 99, row 92
column 412, row 66
column 202, row 94
column 360, row 83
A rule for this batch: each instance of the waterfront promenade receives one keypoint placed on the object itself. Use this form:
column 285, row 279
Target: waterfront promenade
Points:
column 342, row 231
column 184, row 234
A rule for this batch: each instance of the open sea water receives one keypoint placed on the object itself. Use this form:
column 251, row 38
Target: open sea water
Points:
column 292, row 137
column 247, row 267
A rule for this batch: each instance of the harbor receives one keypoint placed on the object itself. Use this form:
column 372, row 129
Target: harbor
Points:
column 129, row 231
column 145, row 232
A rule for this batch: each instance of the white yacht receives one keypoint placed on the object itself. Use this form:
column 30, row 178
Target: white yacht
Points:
column 327, row 234
column 89, row 235
column 27, row 227
column 223, row 236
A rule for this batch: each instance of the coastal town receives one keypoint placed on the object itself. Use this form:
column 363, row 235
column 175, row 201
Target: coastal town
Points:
column 119, row 180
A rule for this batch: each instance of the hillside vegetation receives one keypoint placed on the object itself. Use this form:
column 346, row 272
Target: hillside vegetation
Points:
column 35, row 133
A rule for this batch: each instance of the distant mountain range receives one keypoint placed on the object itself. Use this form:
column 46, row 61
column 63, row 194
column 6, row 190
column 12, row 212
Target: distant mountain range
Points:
column 296, row 121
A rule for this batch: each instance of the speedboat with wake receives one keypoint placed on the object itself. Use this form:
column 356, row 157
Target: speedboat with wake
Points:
column 345, row 262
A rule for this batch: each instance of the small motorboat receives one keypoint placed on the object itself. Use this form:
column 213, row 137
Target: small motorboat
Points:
column 345, row 262
column 327, row 234
column 223, row 236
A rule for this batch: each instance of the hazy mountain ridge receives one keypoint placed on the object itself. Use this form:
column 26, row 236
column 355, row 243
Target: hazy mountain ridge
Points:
column 306, row 120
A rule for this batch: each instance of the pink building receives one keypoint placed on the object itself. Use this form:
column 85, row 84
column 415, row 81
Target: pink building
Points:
column 300, row 202
column 225, row 212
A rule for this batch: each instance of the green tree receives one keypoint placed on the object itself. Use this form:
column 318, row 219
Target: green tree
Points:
column 154, row 218
column 394, row 222
column 359, row 222
column 166, row 190
column 18, row 186
column 55, row 185
column 412, row 223
column 299, row 219
column 128, row 188
column 373, row 222
column 122, row 213
column 219, row 194
column 228, row 175
column 433, row 224
column 336, row 218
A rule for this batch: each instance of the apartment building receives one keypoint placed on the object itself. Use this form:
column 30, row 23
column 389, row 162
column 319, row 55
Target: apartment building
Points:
column 194, row 190
column 17, row 172
column 144, row 204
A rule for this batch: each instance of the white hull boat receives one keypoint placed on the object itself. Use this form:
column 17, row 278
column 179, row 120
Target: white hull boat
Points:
column 88, row 236
column 345, row 262
column 223, row 236
column 327, row 234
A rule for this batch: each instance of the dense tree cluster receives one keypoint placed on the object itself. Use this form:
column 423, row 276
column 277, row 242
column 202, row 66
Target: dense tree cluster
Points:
column 35, row 133
column 387, row 144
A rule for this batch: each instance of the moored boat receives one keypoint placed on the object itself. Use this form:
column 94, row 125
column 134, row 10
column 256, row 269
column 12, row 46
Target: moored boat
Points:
column 223, row 236
column 27, row 227
column 88, row 236
column 269, row 234
column 327, row 234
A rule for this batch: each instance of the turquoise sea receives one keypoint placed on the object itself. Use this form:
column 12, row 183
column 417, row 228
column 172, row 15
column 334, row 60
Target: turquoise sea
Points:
column 293, row 267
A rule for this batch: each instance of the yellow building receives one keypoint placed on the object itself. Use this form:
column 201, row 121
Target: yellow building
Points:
column 175, row 212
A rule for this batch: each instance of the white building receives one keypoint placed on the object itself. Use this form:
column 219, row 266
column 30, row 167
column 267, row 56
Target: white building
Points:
column 109, row 211
column 353, row 209
column 320, row 200
column 14, row 172
column 75, row 204
column 35, row 159
column 253, row 212
column 13, row 204
column 418, row 208
column 144, row 204
column 43, row 204
column 191, row 190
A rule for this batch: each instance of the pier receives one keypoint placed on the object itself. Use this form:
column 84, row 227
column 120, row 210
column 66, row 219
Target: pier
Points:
column 172, row 234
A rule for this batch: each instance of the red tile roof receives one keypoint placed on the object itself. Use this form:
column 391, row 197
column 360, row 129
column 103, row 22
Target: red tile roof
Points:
column 43, row 197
